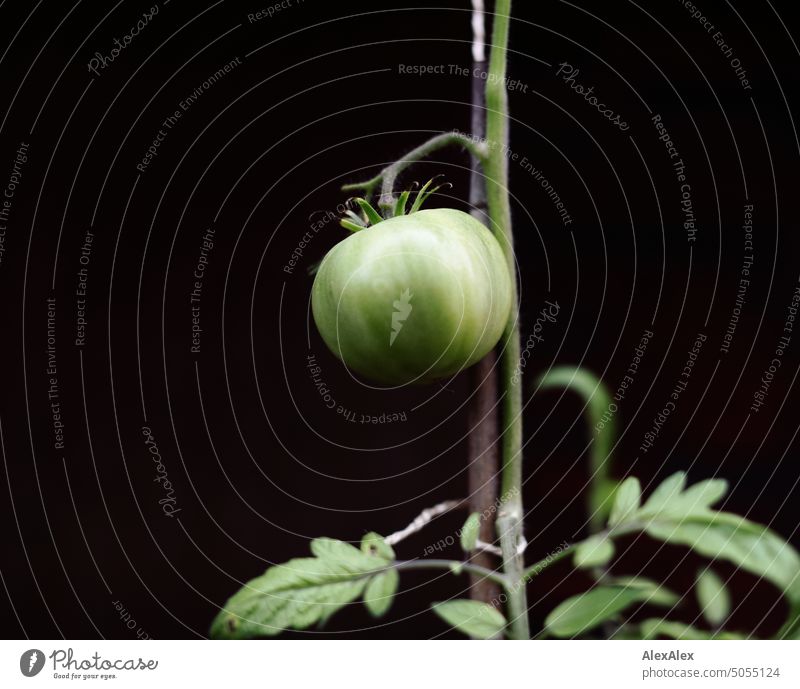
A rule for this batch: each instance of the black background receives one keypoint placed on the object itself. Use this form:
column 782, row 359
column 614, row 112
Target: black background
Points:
column 258, row 463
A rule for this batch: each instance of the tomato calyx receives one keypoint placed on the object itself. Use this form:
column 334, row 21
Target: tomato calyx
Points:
column 370, row 217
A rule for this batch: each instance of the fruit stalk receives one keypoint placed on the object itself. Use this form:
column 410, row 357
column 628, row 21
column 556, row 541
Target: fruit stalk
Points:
column 510, row 514
column 386, row 178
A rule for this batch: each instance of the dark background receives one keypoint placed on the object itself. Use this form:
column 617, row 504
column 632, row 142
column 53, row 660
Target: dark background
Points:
column 259, row 465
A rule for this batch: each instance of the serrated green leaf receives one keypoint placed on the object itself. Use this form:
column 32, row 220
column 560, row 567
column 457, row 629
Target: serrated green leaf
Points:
column 656, row 594
column 665, row 493
column 703, row 494
column 374, row 544
column 476, row 619
column 298, row 593
column 470, row 531
column 713, row 597
column 626, row 501
column 380, row 591
column 685, row 517
column 673, row 499
column 341, row 552
column 727, row 536
column 652, row 629
column 585, row 611
column 595, row 551
column 603, row 494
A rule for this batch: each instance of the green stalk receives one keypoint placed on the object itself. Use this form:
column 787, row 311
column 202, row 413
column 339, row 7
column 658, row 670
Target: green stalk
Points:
column 597, row 401
column 468, row 567
column 510, row 514
column 537, row 568
column 386, row 178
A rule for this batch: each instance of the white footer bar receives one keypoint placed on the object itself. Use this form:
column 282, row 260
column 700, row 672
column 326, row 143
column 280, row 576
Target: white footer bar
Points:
column 401, row 664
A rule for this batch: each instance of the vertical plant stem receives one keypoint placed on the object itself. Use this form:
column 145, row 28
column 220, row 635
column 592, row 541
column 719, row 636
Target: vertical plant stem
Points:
column 482, row 415
column 509, row 518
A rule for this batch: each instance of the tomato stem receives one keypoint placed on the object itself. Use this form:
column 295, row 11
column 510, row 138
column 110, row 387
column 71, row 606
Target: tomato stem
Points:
column 510, row 514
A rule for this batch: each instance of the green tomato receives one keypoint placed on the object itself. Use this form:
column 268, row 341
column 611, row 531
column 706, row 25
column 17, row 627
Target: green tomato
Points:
column 414, row 298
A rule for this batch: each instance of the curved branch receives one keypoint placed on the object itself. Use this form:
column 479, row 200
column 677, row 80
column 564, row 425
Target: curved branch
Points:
column 387, row 177
column 597, row 401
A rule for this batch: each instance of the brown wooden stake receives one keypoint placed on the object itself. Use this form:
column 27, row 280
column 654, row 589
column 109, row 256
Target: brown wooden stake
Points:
column 482, row 416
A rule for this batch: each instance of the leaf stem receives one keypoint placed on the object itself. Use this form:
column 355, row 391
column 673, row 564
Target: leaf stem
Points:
column 536, row 569
column 492, row 575
column 510, row 514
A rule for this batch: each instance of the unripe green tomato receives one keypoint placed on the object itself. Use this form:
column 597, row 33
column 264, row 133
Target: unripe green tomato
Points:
column 414, row 298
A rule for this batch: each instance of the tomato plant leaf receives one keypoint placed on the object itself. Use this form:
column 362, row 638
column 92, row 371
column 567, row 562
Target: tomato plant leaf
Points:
column 674, row 499
column 669, row 490
column 626, row 501
column 470, row 532
column 684, row 516
column 748, row 545
column 703, row 495
column 300, row 592
column 380, row 591
column 374, row 544
column 476, row 619
column 587, row 610
column 713, row 597
column 344, row 554
column 595, row 551
column 657, row 594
